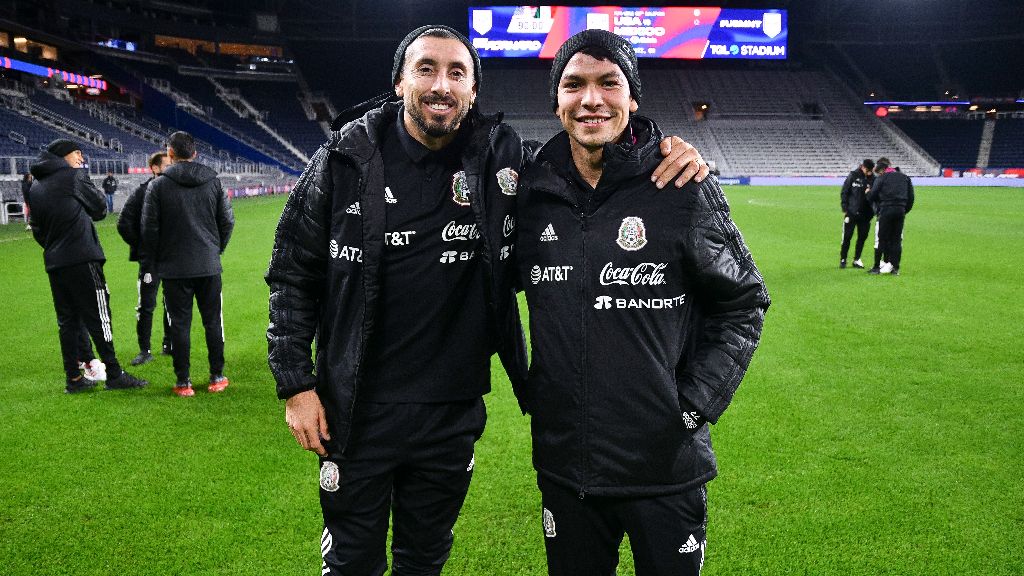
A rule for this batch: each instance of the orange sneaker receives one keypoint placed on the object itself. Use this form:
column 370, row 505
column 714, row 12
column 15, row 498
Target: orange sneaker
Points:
column 217, row 384
column 184, row 389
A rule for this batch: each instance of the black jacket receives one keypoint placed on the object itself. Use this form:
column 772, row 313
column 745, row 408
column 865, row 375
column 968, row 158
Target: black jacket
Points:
column 186, row 222
column 26, row 185
column 853, row 197
column 645, row 306
column 324, row 273
column 129, row 223
column 64, row 203
column 110, row 184
column 892, row 190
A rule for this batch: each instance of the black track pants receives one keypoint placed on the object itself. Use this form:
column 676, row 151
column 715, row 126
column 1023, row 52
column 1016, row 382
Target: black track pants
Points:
column 178, row 294
column 148, row 285
column 863, row 227
column 411, row 461
column 890, row 235
column 80, row 298
column 667, row 534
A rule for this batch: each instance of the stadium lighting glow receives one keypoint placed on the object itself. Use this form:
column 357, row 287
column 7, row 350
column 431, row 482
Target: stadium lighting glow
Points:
column 973, row 107
column 913, row 103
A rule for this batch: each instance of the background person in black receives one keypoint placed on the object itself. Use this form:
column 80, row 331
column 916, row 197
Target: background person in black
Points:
column 645, row 310
column 129, row 226
column 857, row 211
column 109, row 188
column 64, row 204
column 186, row 224
column 893, row 193
column 401, row 227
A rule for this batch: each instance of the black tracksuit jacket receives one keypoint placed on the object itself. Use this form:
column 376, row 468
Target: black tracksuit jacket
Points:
column 324, row 273
column 63, row 203
column 129, row 223
column 892, row 190
column 186, row 221
column 853, row 197
column 644, row 304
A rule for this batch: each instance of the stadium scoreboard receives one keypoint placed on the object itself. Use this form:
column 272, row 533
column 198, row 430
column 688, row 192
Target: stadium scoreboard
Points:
column 670, row 32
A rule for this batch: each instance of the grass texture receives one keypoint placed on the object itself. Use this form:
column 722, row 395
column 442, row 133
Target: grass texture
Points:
column 878, row 431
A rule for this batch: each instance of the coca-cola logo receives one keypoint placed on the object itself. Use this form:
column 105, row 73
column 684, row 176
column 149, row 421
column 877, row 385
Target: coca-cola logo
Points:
column 453, row 231
column 645, row 274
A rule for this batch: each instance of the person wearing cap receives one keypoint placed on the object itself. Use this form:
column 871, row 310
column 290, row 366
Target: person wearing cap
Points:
column 395, row 252
column 645, row 309
column 64, row 204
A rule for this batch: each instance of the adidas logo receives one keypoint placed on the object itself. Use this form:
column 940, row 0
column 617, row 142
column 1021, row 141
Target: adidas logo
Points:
column 548, row 235
column 691, row 545
column 354, row 209
column 389, row 197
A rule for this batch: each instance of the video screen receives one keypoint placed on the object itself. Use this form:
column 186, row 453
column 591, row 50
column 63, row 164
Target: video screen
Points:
column 672, row 32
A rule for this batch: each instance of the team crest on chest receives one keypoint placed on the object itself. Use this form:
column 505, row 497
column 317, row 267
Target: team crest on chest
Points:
column 632, row 234
column 460, row 188
column 508, row 179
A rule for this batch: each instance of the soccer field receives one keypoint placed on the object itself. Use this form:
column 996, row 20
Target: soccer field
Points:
column 878, row 432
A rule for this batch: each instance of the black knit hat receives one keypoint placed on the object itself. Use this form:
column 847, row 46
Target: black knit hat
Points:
column 620, row 49
column 62, row 147
column 412, row 36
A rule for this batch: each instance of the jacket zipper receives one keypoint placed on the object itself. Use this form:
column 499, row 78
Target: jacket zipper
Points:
column 583, row 324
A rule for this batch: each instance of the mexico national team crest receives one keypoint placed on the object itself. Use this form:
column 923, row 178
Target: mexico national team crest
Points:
column 460, row 188
column 330, row 476
column 632, row 234
column 508, row 179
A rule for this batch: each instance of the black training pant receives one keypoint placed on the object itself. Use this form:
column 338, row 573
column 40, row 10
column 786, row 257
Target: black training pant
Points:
column 667, row 534
column 80, row 298
column 412, row 461
column 862, row 226
column 148, row 285
column 178, row 294
column 890, row 234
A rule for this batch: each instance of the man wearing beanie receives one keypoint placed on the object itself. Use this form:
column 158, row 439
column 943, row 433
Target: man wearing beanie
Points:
column 395, row 252
column 64, row 203
column 645, row 308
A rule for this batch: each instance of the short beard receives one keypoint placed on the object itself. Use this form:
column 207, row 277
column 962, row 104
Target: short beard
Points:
column 435, row 130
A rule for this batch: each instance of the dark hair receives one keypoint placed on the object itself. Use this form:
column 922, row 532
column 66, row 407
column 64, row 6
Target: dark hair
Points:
column 26, row 176
column 869, row 164
column 183, row 145
column 157, row 158
column 882, row 164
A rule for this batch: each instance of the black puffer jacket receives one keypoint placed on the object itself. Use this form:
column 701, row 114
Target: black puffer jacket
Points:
column 324, row 273
column 129, row 223
column 853, row 197
column 645, row 308
column 64, row 203
column 186, row 221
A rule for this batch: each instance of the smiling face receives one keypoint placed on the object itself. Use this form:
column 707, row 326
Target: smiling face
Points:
column 437, row 88
column 76, row 159
column 593, row 101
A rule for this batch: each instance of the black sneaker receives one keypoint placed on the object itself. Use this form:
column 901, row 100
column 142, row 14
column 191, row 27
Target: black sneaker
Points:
column 166, row 349
column 895, row 272
column 80, row 385
column 142, row 358
column 842, row 263
column 874, row 271
column 125, row 382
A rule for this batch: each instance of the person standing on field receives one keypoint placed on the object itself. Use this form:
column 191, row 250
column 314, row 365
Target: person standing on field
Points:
column 893, row 193
column 857, row 211
column 186, row 224
column 110, row 187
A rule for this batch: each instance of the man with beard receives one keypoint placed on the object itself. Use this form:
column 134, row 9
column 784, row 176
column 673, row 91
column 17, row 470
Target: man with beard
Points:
column 129, row 226
column 395, row 253
column 645, row 308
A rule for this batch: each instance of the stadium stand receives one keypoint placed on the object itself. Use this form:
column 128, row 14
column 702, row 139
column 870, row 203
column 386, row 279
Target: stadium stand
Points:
column 954, row 142
column 1007, row 144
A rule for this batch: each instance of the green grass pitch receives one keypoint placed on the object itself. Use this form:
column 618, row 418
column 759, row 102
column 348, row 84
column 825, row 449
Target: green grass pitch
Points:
column 878, row 432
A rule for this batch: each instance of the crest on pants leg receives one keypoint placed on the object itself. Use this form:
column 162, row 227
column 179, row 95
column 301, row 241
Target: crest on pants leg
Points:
column 330, row 476
column 549, row 524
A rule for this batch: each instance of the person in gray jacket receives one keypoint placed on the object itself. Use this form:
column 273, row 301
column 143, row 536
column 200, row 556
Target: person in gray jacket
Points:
column 186, row 224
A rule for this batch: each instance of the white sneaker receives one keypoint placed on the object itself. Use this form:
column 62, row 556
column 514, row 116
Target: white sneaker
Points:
column 885, row 268
column 858, row 264
column 96, row 370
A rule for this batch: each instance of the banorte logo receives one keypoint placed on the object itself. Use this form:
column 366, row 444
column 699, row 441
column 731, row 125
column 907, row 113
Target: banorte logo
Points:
column 644, row 274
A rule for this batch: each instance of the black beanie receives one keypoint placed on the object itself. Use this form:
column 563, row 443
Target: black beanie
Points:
column 62, row 147
column 412, row 36
column 621, row 51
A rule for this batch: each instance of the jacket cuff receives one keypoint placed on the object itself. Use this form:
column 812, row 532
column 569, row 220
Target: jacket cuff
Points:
column 289, row 385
